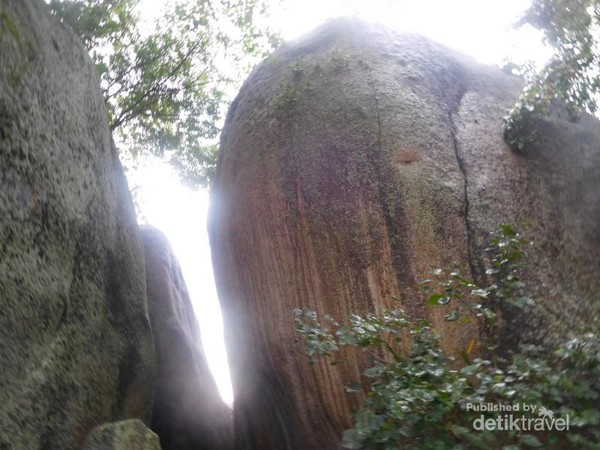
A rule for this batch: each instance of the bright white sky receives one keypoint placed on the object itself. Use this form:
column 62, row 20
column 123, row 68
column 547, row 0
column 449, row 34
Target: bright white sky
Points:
column 480, row 28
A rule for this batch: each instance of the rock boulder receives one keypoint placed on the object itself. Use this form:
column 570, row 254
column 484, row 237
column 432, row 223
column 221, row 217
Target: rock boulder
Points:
column 353, row 162
column 76, row 346
column 125, row 435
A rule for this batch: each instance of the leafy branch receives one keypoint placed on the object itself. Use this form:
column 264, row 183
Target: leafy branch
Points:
column 570, row 82
column 417, row 397
column 164, row 83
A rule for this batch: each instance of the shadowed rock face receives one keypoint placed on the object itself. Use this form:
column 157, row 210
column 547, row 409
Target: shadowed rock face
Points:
column 188, row 411
column 76, row 347
column 354, row 162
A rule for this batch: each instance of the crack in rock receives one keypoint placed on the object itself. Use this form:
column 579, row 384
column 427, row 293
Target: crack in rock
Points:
column 474, row 263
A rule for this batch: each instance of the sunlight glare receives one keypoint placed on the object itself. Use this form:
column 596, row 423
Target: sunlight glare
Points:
column 180, row 213
column 481, row 29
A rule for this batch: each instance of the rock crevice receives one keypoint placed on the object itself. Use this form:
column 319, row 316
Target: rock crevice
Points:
column 189, row 413
column 475, row 265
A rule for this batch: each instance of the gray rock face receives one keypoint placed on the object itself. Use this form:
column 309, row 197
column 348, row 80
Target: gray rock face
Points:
column 354, row 162
column 188, row 411
column 124, row 435
column 75, row 341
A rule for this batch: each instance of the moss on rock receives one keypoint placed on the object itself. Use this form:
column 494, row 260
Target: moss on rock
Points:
column 124, row 435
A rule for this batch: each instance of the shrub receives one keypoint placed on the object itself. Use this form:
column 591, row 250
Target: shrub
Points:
column 416, row 397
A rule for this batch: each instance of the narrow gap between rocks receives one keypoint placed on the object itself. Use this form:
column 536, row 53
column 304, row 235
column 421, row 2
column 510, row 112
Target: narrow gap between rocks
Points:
column 180, row 213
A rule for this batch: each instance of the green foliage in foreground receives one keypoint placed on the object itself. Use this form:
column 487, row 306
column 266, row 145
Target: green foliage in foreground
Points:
column 570, row 79
column 419, row 398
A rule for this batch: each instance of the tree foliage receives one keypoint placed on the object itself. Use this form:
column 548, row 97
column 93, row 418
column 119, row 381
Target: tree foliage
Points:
column 571, row 79
column 164, row 82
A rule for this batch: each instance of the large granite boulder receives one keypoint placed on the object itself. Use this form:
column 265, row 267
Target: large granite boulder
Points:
column 353, row 163
column 189, row 413
column 76, row 346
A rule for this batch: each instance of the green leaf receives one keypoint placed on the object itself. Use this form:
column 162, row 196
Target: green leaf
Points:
column 454, row 315
column 481, row 293
column 531, row 440
column 437, row 299
column 351, row 439
column 522, row 302
column 508, row 230
column 354, row 387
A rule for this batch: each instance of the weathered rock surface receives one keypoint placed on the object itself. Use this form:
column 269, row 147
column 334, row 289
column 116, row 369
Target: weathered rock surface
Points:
column 124, row 435
column 354, row 162
column 188, row 413
column 76, row 347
